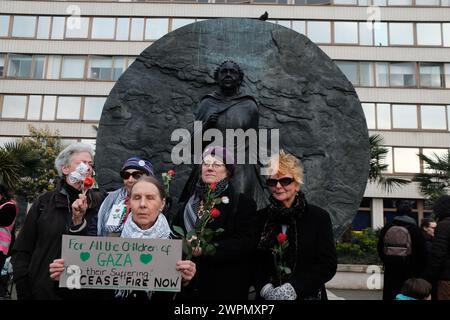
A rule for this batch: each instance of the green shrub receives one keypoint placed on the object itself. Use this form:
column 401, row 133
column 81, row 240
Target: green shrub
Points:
column 358, row 247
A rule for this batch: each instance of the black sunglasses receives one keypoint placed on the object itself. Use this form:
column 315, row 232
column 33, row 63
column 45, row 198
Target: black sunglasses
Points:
column 126, row 175
column 283, row 181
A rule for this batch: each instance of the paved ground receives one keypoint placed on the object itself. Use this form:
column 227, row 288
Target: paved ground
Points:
column 339, row 294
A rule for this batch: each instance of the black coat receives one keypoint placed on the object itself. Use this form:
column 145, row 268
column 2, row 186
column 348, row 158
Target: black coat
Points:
column 439, row 265
column 225, row 275
column 397, row 271
column 316, row 254
column 39, row 242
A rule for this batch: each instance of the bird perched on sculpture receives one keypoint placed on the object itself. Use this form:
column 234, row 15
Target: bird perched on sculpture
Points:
column 264, row 16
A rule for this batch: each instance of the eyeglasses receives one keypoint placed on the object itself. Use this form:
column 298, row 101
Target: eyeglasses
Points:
column 126, row 175
column 215, row 165
column 283, row 181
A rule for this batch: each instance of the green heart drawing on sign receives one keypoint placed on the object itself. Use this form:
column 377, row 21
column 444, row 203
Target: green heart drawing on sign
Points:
column 146, row 258
column 84, row 256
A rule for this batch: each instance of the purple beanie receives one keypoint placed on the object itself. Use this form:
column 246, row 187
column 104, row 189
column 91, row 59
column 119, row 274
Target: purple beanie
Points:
column 224, row 155
column 138, row 164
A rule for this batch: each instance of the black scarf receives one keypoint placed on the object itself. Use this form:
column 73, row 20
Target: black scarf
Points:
column 201, row 190
column 72, row 192
column 279, row 215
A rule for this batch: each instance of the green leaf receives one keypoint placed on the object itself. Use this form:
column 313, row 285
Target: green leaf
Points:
column 287, row 270
column 179, row 230
column 190, row 234
column 210, row 250
column 219, row 230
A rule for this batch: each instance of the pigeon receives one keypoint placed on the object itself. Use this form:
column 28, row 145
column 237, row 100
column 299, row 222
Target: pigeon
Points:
column 264, row 16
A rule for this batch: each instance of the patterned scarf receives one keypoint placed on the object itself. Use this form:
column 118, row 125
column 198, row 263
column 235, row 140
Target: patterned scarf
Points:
column 114, row 198
column 193, row 205
column 279, row 215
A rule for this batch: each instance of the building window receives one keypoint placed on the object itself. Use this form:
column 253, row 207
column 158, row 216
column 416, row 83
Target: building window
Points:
column 100, row 68
column 429, row 34
column 4, row 26
column 383, row 116
column 43, row 31
column 380, row 31
column 103, row 28
column 366, row 74
column 137, row 29
column 93, row 107
column 119, row 67
column 58, row 28
column 369, row 112
column 365, row 33
column 72, row 67
column 433, row 154
column 404, row 116
column 406, row 160
column 49, row 108
column 403, row 74
column 24, row 26
column 155, row 28
column 2, row 64
column 299, row 26
column 401, row 34
column 123, row 29
column 319, row 31
column 19, row 66
column 34, row 108
column 53, row 67
column 427, row 2
column 431, row 74
column 446, row 34
column 349, row 2
column 433, row 117
column 14, row 107
column 447, row 75
column 399, row 2
column 382, row 74
column 77, row 27
column 362, row 219
column 69, row 108
column 350, row 70
column 178, row 23
column 346, row 32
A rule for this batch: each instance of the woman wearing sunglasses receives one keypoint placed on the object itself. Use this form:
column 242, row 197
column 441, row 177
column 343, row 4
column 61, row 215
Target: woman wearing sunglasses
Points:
column 296, row 253
column 115, row 209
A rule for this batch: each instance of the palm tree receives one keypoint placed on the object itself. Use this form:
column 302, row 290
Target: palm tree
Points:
column 437, row 182
column 378, row 165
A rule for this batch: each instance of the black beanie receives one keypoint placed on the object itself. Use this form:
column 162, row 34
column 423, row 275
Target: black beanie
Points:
column 441, row 207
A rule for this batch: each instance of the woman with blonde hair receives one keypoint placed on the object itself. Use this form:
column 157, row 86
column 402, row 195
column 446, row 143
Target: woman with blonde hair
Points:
column 296, row 253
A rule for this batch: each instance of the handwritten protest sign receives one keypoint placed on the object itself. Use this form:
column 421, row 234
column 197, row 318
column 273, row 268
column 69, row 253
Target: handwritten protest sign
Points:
column 119, row 263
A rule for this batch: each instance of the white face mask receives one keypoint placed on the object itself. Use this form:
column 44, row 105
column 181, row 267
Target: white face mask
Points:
column 79, row 174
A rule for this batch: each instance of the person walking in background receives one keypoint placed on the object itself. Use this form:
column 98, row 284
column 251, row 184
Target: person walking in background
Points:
column 296, row 253
column 64, row 210
column 427, row 226
column 415, row 289
column 401, row 247
column 8, row 214
column 438, row 271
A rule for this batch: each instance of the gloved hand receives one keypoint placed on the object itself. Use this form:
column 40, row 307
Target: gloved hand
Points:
column 283, row 292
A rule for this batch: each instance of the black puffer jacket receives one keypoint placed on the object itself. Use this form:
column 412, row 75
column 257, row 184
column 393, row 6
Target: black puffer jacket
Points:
column 439, row 266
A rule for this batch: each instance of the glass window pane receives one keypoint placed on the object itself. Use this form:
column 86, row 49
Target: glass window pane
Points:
column 431, row 74
column 93, row 108
column 73, row 67
column 399, row 2
column 34, row 107
column 380, row 30
column 299, row 26
column 103, row 28
column 319, row 31
column 284, row 23
column 429, row 34
column 448, row 117
column 155, row 28
column 137, row 29
column 100, row 68
column 350, row 70
column 130, row 61
column 403, row 74
column 49, row 108
column 54, row 64
column 369, row 112
column 427, row 2
column 354, row 2
column 379, row 2
column 77, row 27
column 382, row 74
column 365, row 33
column 447, row 75
column 384, row 116
column 69, row 108
column 4, row 26
column 446, row 31
column 433, row 154
column 58, row 28
column 401, row 34
column 43, row 31
column 433, row 117
column 19, row 66
column 178, row 23
column 119, row 67
column 406, row 160
column 445, row 3
column 39, row 62
column 404, row 116
column 366, row 74
column 14, row 106
column 2, row 64
column 346, row 32
column 388, row 160
column 123, row 28
column 24, row 26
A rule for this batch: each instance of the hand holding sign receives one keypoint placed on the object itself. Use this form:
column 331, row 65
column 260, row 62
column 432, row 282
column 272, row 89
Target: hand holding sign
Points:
column 56, row 268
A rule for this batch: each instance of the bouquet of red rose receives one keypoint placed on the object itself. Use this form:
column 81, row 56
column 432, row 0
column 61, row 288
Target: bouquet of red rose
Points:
column 201, row 236
column 279, row 251
column 167, row 178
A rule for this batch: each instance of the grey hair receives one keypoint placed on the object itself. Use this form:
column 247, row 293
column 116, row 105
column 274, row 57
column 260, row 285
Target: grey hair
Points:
column 64, row 157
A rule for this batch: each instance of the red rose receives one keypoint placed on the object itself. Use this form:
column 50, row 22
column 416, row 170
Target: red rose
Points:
column 171, row 172
column 215, row 212
column 213, row 186
column 281, row 237
column 88, row 182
